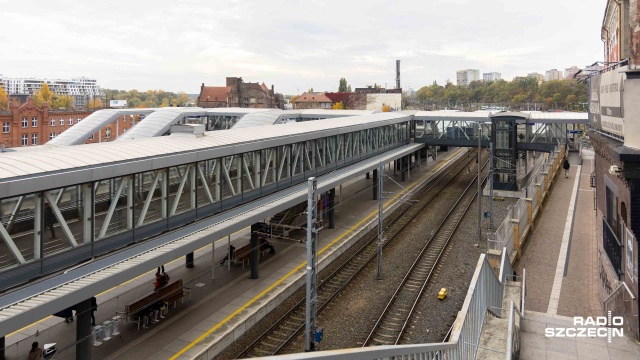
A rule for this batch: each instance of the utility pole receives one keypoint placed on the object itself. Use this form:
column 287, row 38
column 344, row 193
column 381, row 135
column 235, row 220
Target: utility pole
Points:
column 380, row 219
column 491, row 185
column 312, row 247
column 479, row 186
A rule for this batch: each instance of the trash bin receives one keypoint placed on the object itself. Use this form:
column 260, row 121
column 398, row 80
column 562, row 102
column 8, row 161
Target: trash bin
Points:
column 97, row 335
column 116, row 331
column 107, row 327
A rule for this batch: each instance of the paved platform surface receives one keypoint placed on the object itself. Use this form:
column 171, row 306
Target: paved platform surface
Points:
column 537, row 346
column 560, row 258
column 215, row 302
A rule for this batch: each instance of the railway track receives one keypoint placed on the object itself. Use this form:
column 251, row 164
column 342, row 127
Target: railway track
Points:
column 284, row 330
column 393, row 321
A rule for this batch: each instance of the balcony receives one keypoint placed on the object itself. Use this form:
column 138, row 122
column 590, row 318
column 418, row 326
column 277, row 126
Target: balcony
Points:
column 612, row 247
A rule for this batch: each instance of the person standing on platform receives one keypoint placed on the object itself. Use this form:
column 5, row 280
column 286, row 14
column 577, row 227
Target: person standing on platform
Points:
column 35, row 353
column 94, row 308
column 566, row 167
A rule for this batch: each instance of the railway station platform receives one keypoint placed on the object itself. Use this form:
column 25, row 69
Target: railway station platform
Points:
column 562, row 273
column 222, row 308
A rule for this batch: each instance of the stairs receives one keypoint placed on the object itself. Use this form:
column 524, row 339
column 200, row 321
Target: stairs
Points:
column 283, row 222
column 493, row 339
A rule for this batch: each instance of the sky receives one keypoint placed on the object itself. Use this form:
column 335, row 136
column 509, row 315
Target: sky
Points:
column 294, row 45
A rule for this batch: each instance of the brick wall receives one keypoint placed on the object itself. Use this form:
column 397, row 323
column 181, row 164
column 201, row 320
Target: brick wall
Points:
column 44, row 128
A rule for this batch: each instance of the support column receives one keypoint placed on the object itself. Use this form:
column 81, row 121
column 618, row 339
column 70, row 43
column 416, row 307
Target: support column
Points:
column 375, row 184
column 83, row 330
column 332, row 203
column 367, row 177
column 403, row 168
column 213, row 260
column 2, row 345
column 38, row 226
column 255, row 250
column 87, row 212
column 189, row 260
column 516, row 238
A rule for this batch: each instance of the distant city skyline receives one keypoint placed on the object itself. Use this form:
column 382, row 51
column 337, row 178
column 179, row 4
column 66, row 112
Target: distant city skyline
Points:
column 295, row 46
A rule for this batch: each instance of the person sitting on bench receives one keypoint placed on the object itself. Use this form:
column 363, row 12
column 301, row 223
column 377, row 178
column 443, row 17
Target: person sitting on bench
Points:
column 230, row 256
column 264, row 244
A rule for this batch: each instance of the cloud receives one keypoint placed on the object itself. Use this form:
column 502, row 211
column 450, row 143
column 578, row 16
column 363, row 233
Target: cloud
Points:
column 292, row 44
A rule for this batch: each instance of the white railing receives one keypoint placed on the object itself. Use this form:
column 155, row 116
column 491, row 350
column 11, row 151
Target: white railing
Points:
column 513, row 333
column 503, row 236
column 485, row 294
column 623, row 303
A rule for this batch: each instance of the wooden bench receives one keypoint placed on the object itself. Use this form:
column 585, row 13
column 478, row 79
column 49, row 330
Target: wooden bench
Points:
column 243, row 254
column 170, row 294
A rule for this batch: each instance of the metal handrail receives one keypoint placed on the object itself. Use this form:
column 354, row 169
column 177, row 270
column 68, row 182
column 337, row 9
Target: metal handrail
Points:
column 512, row 309
column 622, row 284
column 524, row 290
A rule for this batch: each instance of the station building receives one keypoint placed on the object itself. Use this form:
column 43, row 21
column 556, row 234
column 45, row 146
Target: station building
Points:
column 614, row 114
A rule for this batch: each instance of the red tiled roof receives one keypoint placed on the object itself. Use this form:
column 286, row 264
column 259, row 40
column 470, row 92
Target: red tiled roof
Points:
column 214, row 93
column 264, row 87
column 312, row 98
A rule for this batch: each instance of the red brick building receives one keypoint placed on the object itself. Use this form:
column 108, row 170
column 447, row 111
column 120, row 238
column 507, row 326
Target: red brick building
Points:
column 238, row 93
column 27, row 124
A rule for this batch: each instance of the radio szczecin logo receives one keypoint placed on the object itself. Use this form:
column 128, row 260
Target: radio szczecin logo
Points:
column 600, row 326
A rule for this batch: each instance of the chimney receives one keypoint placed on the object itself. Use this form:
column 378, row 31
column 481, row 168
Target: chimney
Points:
column 272, row 93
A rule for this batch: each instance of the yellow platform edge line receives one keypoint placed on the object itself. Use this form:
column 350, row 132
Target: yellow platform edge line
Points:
column 265, row 291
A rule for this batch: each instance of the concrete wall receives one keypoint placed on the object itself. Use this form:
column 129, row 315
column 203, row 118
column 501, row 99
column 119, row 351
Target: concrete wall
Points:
column 377, row 101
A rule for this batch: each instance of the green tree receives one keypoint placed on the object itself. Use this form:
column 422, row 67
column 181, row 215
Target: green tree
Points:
column 349, row 88
column 4, row 100
column 61, row 101
column 343, row 85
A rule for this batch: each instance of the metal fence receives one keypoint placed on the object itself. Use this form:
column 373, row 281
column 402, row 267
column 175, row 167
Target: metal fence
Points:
column 503, row 237
column 485, row 294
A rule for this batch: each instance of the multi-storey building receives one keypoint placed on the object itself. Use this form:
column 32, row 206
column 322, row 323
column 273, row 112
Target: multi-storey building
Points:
column 466, row 76
column 238, row 93
column 534, row 75
column 553, row 74
column 492, row 76
column 571, row 71
column 614, row 115
column 27, row 124
column 81, row 89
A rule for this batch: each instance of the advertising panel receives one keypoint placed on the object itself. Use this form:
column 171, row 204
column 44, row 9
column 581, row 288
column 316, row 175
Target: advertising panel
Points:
column 605, row 101
column 118, row 103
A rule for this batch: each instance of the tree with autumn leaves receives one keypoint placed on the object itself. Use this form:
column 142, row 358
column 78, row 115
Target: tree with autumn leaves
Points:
column 55, row 101
column 4, row 100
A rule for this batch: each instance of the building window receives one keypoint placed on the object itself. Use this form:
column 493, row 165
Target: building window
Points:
column 61, row 121
column 610, row 232
column 70, row 121
column 5, row 127
column 107, row 133
column 91, row 137
column 25, row 140
column 34, row 139
column 78, row 120
column 34, row 122
column 25, row 123
column 53, row 122
column 52, row 136
column 124, row 131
